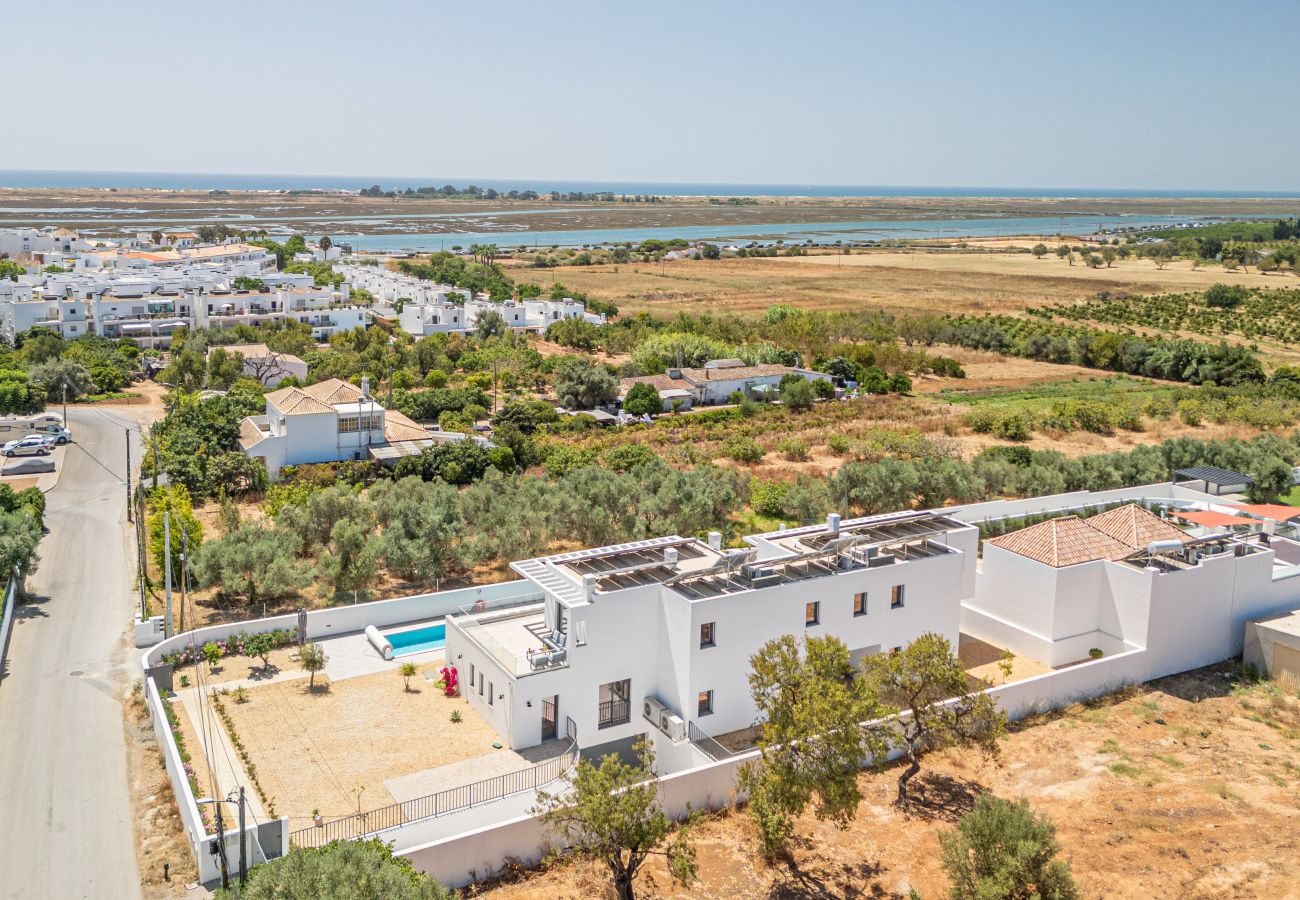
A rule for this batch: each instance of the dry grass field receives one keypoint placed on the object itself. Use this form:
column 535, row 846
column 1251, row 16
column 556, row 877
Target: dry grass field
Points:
column 1188, row 787
column 896, row 281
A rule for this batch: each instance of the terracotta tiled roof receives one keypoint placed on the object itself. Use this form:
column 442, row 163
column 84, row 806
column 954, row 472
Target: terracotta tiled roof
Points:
column 1066, row 541
column 658, row 382
column 292, row 401
column 334, row 390
column 249, row 434
column 736, row 373
column 1134, row 526
column 397, row 427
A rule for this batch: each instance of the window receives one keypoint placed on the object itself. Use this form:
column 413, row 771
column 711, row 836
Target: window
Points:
column 896, row 597
column 706, row 634
column 614, row 706
column 705, row 703
column 860, row 604
column 347, row 424
column 491, row 691
column 481, row 680
column 471, row 674
column 811, row 613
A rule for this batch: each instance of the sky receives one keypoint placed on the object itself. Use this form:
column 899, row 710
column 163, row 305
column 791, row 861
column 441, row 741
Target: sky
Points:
column 1160, row 95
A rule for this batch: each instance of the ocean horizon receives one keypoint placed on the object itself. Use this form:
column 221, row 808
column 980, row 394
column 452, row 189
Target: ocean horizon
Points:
column 210, row 181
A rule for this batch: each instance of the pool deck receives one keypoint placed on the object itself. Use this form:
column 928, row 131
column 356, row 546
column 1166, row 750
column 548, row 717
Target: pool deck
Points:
column 351, row 655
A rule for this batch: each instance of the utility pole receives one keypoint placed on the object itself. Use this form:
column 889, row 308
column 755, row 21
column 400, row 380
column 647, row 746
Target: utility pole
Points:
column 243, row 866
column 185, row 572
column 130, row 515
column 65, row 401
column 221, row 848
column 167, row 573
column 139, row 560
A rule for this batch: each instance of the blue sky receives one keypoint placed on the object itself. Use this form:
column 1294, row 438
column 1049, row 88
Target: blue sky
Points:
column 1150, row 95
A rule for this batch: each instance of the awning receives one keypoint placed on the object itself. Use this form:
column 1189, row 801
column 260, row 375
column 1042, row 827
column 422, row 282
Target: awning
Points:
column 1275, row 511
column 1210, row 519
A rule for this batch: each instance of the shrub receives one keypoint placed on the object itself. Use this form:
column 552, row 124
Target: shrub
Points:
column 793, row 448
column 839, row 444
column 742, row 449
column 1001, row 849
column 768, row 497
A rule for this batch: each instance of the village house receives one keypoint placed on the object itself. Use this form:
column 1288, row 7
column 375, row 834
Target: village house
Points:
column 716, row 381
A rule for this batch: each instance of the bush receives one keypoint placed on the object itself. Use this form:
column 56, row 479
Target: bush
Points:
column 1001, row 849
column 768, row 497
column 742, row 449
column 793, row 448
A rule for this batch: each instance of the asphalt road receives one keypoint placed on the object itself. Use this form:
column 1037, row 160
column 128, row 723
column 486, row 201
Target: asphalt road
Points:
column 65, row 810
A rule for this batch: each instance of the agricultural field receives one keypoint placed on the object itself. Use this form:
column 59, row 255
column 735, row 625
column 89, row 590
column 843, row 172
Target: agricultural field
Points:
column 1222, row 311
column 915, row 282
column 1185, row 787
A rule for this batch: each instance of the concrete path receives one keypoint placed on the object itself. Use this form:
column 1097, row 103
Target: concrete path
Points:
column 65, row 810
column 226, row 765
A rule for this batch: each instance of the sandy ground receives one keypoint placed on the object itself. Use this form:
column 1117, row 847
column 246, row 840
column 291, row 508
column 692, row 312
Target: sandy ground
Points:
column 1176, row 789
column 333, row 748
column 159, row 835
column 911, row 282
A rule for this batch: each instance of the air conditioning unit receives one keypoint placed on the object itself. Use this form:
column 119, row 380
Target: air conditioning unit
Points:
column 674, row 727
column 653, row 710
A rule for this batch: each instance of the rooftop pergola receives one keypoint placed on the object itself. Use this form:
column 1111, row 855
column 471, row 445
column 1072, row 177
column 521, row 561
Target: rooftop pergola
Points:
column 1217, row 481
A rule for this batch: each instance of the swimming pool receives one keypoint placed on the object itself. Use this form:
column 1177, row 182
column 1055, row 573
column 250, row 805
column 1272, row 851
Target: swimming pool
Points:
column 418, row 640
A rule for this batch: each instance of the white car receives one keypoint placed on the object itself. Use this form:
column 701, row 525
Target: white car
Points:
column 35, row 445
column 56, row 434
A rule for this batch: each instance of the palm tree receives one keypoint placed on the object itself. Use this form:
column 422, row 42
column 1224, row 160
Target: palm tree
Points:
column 408, row 672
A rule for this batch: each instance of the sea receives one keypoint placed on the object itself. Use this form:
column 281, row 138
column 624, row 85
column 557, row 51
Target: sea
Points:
column 213, row 181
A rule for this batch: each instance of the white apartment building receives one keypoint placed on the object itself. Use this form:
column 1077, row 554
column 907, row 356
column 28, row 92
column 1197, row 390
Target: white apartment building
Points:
column 19, row 242
column 330, row 421
column 148, row 305
column 656, row 635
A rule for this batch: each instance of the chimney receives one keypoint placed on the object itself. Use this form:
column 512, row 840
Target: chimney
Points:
column 833, row 523
column 365, row 385
column 589, row 588
column 715, row 540
column 670, row 556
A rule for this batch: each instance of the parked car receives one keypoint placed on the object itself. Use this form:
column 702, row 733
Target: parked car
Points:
column 57, row 434
column 35, row 445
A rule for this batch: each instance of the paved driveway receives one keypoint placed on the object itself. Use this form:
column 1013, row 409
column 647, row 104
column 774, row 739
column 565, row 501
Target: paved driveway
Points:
column 65, row 811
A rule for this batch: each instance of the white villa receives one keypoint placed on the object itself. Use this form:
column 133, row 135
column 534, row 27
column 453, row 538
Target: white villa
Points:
column 716, row 381
column 663, row 629
column 330, row 421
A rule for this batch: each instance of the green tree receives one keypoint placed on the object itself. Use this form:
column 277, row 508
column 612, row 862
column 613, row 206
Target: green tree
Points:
column 643, row 399
column 20, row 533
column 1108, row 254
column 11, row 270
column 798, row 395
column 811, row 710
column 611, row 813
column 312, row 659
column 224, row 368
column 260, row 645
column 936, row 708
column 1001, row 850
column 1273, row 478
column 408, row 670
column 255, row 562
column 1039, row 251
column 56, row 375
column 352, row 556
column 583, row 383
column 490, row 323
column 340, row 870
column 173, row 499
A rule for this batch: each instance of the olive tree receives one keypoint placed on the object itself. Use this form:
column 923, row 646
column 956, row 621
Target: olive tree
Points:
column 583, row 383
column 934, row 707
column 611, row 813
column 811, row 712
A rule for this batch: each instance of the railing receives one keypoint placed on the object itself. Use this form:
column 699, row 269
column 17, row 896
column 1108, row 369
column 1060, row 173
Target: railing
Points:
column 7, row 604
column 442, row 803
column 706, row 744
column 614, row 712
column 476, row 622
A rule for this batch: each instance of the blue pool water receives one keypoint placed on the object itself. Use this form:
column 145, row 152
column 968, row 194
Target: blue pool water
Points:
column 417, row 640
